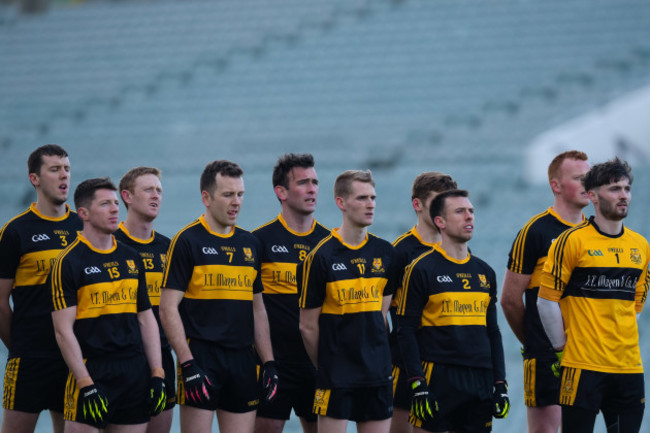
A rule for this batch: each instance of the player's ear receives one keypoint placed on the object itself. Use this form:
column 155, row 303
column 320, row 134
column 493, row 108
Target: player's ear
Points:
column 280, row 192
column 418, row 206
column 340, row 203
column 126, row 196
column 439, row 221
column 593, row 196
column 82, row 212
column 34, row 179
column 206, row 198
column 555, row 185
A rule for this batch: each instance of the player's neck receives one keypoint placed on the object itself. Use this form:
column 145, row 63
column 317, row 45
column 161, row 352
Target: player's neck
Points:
column 299, row 223
column 98, row 239
column 215, row 226
column 454, row 249
column 50, row 209
column 608, row 226
column 568, row 212
column 137, row 227
column 352, row 234
column 427, row 233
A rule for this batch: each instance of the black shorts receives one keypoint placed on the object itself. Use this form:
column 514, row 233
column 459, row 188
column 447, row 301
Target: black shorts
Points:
column 296, row 391
column 124, row 382
column 355, row 404
column 170, row 378
column 541, row 387
column 601, row 391
column 401, row 390
column 34, row 384
column 233, row 373
column 464, row 398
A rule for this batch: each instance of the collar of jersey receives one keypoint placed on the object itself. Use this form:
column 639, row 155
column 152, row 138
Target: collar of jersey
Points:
column 286, row 226
column 438, row 248
column 418, row 236
column 335, row 233
column 593, row 223
column 206, row 226
column 32, row 207
column 83, row 240
column 559, row 218
column 134, row 239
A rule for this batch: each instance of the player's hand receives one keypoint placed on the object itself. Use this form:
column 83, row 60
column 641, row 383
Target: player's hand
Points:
column 94, row 404
column 500, row 400
column 157, row 395
column 197, row 384
column 423, row 405
column 269, row 381
column 556, row 365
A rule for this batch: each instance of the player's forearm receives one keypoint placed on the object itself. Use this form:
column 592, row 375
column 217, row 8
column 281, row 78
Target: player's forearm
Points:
column 174, row 329
column 262, row 333
column 551, row 316
column 71, row 350
column 151, row 341
column 512, row 302
column 310, row 331
column 5, row 323
column 496, row 344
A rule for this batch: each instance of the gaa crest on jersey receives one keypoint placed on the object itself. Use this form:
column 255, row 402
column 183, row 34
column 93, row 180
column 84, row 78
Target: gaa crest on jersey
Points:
column 635, row 256
column 248, row 255
column 132, row 268
column 483, row 281
column 377, row 265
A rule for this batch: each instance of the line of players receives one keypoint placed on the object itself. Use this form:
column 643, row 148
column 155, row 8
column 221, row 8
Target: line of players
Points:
column 210, row 290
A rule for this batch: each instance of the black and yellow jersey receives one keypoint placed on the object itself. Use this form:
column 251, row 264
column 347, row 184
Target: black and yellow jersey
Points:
column 29, row 244
column 281, row 250
column 153, row 252
column 219, row 275
column 527, row 256
column 601, row 283
column 107, row 288
column 447, row 314
column 348, row 284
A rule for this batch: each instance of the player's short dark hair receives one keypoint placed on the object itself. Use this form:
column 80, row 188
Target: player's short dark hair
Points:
column 35, row 160
column 606, row 173
column 286, row 163
column 128, row 180
column 84, row 194
column 343, row 182
column 555, row 164
column 221, row 166
column 437, row 206
column 431, row 181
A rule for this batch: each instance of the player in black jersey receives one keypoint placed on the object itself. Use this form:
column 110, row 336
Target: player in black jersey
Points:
column 285, row 242
column 348, row 282
column 35, row 374
column 103, row 321
column 141, row 192
column 212, row 311
column 408, row 246
column 522, row 278
column 448, row 330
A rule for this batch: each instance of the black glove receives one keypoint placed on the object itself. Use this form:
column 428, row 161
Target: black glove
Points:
column 556, row 365
column 423, row 405
column 269, row 381
column 157, row 395
column 500, row 400
column 94, row 404
column 197, row 385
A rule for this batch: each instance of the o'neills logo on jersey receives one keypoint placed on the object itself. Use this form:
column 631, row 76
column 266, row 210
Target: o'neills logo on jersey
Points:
column 40, row 237
column 92, row 270
column 339, row 267
column 279, row 249
column 635, row 256
column 132, row 267
column 248, row 255
column 209, row 250
column 377, row 265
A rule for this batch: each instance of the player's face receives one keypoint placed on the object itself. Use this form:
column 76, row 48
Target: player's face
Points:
column 103, row 214
column 570, row 175
column 613, row 200
column 458, row 219
column 223, row 205
column 146, row 197
column 303, row 190
column 53, row 183
column 359, row 205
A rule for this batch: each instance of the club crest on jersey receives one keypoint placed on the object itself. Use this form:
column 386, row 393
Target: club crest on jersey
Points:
column 132, row 267
column 635, row 256
column 248, row 255
column 377, row 265
column 483, row 281
column 163, row 259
